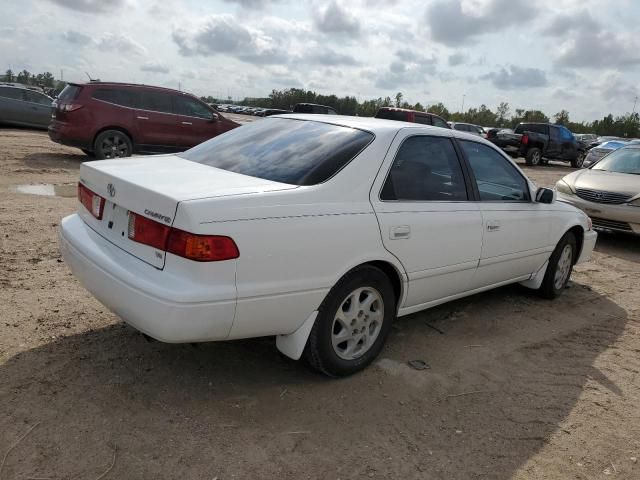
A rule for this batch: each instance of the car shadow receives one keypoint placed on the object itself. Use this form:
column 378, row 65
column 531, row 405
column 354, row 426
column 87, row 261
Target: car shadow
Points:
column 506, row 369
column 67, row 161
column 620, row 245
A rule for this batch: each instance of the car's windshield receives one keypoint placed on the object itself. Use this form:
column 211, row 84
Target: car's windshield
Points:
column 624, row 160
column 283, row 150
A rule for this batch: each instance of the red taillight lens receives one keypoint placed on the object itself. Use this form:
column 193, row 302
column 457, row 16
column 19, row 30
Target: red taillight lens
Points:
column 91, row 201
column 201, row 248
column 70, row 107
column 149, row 232
column 525, row 139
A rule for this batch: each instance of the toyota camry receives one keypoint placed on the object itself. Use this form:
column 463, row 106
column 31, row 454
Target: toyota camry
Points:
column 318, row 230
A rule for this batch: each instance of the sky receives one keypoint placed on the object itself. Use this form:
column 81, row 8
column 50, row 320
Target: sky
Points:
column 578, row 55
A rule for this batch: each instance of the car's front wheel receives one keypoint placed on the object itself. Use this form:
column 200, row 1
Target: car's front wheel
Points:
column 112, row 144
column 560, row 267
column 578, row 161
column 352, row 324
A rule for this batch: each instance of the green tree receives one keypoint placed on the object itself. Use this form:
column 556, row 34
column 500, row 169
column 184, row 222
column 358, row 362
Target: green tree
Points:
column 562, row 117
column 24, row 77
column 440, row 110
column 502, row 112
column 8, row 76
column 398, row 98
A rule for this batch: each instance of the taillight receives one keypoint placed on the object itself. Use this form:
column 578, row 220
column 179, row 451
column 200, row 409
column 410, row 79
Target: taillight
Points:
column 200, row 248
column 525, row 139
column 149, row 232
column 91, row 201
column 69, row 107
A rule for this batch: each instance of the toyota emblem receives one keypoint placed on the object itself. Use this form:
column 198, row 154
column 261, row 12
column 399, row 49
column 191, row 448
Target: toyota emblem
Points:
column 111, row 189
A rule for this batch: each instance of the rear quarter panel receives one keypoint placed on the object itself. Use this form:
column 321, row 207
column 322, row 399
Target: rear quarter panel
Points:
column 295, row 244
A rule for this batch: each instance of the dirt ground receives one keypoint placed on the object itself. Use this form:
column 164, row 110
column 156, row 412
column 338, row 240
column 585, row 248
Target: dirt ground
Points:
column 519, row 387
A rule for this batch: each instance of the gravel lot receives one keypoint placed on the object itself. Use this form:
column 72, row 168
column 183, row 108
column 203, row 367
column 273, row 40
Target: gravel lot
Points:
column 518, row 387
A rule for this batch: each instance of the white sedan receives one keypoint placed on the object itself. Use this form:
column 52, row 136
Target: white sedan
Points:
column 317, row 229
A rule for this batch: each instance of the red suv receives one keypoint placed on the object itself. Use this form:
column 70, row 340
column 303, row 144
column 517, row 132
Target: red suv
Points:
column 414, row 116
column 109, row 120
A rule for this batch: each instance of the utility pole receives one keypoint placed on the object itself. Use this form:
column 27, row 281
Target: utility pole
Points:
column 462, row 109
column 635, row 101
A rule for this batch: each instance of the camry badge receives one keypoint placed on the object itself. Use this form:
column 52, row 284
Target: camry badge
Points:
column 111, row 189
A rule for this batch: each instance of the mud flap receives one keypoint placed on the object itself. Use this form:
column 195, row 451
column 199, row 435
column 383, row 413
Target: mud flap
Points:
column 536, row 279
column 292, row 345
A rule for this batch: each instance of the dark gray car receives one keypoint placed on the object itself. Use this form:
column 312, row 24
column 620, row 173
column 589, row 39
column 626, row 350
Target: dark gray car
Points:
column 24, row 107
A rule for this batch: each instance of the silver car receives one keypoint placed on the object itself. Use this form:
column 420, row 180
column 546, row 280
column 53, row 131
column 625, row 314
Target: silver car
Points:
column 24, row 106
column 608, row 191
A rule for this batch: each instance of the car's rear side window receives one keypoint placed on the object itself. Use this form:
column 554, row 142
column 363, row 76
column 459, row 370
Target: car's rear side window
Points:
column 156, row 102
column 12, row 93
column 283, row 150
column 423, row 119
column 118, row 96
column 425, row 168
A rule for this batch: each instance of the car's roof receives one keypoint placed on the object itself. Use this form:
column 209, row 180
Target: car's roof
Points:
column 380, row 125
column 129, row 85
column 398, row 109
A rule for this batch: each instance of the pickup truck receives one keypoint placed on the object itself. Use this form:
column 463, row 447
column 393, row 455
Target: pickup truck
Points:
column 540, row 142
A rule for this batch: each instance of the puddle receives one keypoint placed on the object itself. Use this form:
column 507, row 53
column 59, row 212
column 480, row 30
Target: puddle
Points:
column 50, row 190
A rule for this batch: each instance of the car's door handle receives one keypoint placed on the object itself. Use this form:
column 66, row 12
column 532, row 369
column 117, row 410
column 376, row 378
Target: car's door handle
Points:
column 187, row 123
column 493, row 225
column 400, row 232
column 143, row 118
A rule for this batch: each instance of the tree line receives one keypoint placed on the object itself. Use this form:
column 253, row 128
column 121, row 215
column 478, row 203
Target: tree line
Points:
column 627, row 125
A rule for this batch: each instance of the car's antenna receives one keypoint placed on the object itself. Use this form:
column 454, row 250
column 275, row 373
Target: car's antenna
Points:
column 91, row 79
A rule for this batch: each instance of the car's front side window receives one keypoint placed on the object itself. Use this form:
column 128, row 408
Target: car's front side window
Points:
column 496, row 177
column 191, row 108
column 12, row 93
column 35, row 97
column 425, row 168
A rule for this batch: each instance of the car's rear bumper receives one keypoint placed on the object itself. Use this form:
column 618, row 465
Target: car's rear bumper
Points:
column 619, row 218
column 151, row 300
column 66, row 134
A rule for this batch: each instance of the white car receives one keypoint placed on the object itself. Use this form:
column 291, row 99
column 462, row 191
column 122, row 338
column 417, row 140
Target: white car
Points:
column 319, row 230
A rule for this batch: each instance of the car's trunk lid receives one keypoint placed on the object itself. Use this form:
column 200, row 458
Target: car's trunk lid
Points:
column 152, row 187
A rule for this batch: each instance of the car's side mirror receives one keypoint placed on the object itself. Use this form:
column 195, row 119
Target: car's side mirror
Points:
column 544, row 195
column 214, row 117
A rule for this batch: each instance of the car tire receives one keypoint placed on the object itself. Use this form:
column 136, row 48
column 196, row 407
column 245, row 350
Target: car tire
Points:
column 88, row 153
column 112, row 144
column 534, row 156
column 560, row 267
column 353, row 323
column 579, row 161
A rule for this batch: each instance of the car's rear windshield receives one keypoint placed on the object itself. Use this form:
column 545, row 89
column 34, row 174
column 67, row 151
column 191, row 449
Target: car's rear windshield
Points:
column 296, row 152
column 392, row 115
column 70, row 92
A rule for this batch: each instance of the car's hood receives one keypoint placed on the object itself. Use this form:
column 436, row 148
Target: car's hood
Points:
column 605, row 181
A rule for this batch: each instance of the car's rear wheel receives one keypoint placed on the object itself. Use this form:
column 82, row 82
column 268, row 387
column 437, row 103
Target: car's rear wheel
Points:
column 560, row 267
column 534, row 156
column 112, row 144
column 352, row 324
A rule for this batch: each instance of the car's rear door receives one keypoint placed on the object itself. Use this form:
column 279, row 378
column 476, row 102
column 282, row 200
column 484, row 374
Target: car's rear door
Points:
column 426, row 217
column 156, row 121
column 515, row 230
column 196, row 122
column 12, row 105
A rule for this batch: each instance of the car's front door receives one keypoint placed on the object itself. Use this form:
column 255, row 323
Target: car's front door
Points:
column 196, row 122
column 554, row 147
column 426, row 217
column 156, row 122
column 516, row 230
column 569, row 144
